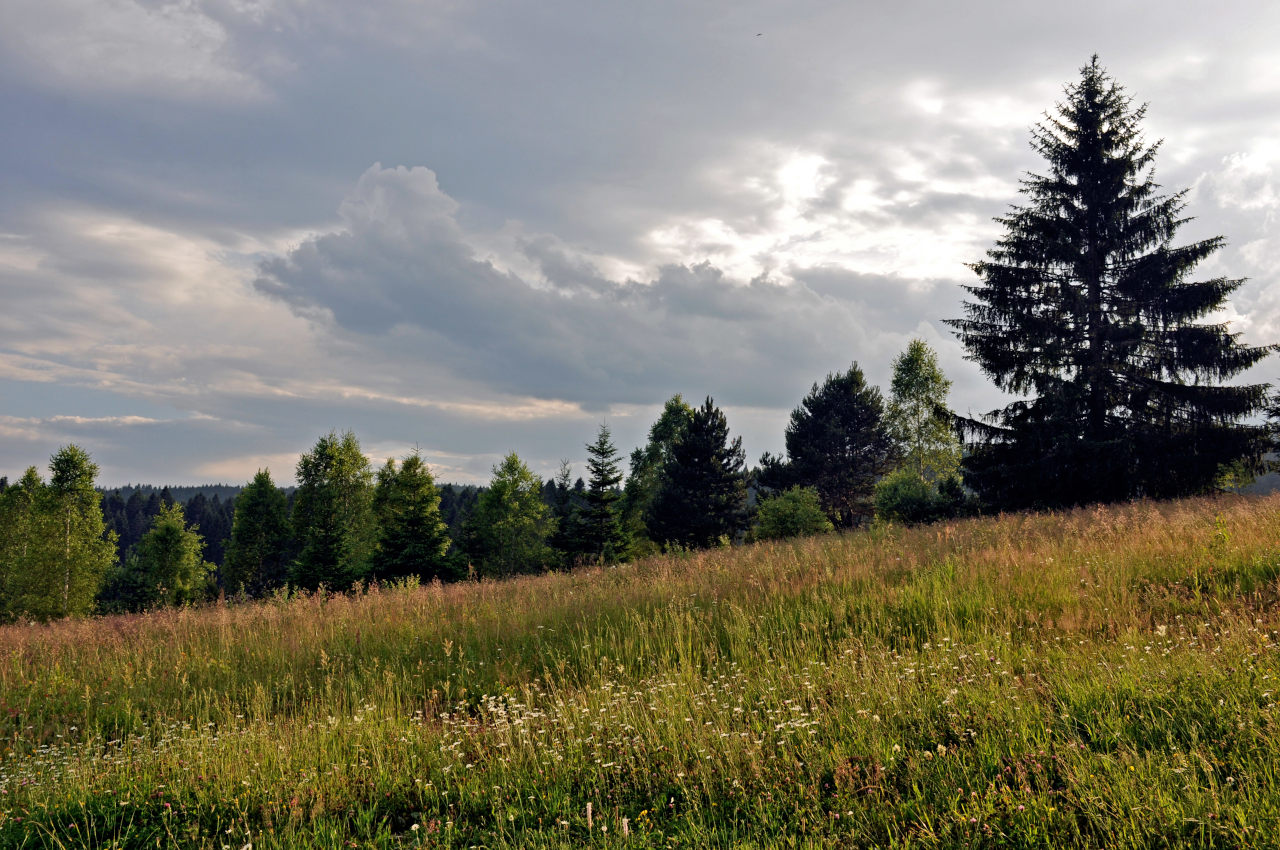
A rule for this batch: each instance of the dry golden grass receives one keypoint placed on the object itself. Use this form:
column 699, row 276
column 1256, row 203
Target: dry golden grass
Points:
column 1097, row 677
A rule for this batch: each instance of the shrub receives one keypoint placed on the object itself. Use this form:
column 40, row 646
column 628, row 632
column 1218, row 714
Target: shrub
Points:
column 794, row 513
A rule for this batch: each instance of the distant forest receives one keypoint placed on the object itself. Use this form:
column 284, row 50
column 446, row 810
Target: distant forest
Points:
column 129, row 511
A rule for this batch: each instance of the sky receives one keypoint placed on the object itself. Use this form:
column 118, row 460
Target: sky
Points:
column 228, row 227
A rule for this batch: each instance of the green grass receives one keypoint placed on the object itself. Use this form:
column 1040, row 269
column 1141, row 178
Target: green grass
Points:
column 1106, row 677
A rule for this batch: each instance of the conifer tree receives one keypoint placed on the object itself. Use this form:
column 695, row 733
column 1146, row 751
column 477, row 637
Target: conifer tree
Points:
column 837, row 443
column 333, row 514
column 1085, row 308
column 258, row 556
column 559, row 496
column 170, row 562
column 702, row 495
column 646, row 471
column 412, row 537
column 600, row 532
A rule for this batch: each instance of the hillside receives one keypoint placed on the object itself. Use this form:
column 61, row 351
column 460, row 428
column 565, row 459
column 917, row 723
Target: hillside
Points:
column 1103, row 677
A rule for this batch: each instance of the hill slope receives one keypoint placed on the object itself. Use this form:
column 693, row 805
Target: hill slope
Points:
column 1105, row 677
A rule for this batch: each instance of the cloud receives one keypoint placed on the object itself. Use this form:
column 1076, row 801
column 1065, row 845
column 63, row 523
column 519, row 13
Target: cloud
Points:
column 631, row 201
column 170, row 49
column 404, row 277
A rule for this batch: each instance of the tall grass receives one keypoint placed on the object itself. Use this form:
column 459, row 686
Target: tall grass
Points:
column 1103, row 677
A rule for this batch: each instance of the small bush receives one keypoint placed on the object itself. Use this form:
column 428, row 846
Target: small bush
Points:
column 793, row 513
column 903, row 496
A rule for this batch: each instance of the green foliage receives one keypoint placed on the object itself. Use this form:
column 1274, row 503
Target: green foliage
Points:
column 917, row 416
column 646, row 471
column 170, row 561
column 333, row 517
column 54, row 548
column 796, row 512
column 261, row 545
column 600, row 530
column 702, row 494
column 566, row 503
column 413, row 540
column 1094, row 678
column 838, row 444
column 509, row 530
column 28, row 550
column 1085, row 308
column 88, row 551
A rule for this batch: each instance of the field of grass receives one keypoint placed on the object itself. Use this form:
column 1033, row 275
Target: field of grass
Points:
column 1106, row 677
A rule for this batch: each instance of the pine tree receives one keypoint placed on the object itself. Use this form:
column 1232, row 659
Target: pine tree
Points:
column 601, row 534
column 702, row 495
column 333, row 514
column 1085, row 308
column 412, row 538
column 837, row 443
column 261, row 545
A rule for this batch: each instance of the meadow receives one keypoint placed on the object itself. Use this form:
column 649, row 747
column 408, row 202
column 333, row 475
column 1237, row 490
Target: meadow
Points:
column 1104, row 677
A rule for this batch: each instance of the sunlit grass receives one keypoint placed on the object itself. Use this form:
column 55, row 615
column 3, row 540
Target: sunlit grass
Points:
column 1105, row 677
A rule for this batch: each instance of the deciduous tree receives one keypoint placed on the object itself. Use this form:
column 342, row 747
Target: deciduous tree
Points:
column 170, row 560
column 647, row 464
column 917, row 416
column 507, row 533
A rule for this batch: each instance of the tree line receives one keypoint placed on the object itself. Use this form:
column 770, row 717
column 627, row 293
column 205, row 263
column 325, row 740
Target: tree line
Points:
column 1084, row 310
column 347, row 523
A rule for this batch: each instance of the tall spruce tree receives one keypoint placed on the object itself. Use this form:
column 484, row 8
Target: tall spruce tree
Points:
column 412, row 537
column 333, row 514
column 261, row 547
column 1085, row 309
column 600, row 532
column 702, row 495
column 837, row 443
